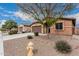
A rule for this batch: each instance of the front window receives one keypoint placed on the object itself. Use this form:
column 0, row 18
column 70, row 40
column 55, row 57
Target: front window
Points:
column 59, row 26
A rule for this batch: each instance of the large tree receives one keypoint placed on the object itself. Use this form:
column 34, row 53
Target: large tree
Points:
column 46, row 13
column 9, row 24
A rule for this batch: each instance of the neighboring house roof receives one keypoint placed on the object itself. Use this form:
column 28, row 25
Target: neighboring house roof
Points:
column 20, row 25
column 24, row 25
column 27, row 25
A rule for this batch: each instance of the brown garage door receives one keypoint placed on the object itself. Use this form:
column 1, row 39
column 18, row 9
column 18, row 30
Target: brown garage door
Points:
column 36, row 29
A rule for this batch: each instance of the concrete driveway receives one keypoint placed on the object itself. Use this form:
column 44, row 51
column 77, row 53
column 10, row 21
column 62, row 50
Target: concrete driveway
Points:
column 9, row 37
column 75, row 36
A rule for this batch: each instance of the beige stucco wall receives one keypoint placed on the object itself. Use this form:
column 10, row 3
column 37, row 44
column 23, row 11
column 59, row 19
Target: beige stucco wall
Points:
column 20, row 28
column 67, row 28
column 26, row 28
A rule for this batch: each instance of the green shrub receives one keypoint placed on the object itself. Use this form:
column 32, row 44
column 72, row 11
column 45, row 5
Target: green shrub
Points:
column 2, row 29
column 36, row 33
column 29, row 37
column 63, row 47
column 13, row 32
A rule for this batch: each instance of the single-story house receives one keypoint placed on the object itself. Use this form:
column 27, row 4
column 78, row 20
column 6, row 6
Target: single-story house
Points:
column 24, row 28
column 64, row 26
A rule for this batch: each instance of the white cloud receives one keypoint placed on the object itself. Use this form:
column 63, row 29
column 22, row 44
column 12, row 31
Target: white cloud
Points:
column 22, row 15
column 73, row 16
column 8, row 11
column 2, row 22
column 5, row 10
column 5, row 15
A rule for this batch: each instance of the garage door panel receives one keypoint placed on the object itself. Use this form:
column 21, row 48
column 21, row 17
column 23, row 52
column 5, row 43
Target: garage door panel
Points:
column 36, row 29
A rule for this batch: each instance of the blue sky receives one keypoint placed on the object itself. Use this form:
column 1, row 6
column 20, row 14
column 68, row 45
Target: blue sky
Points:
column 12, row 11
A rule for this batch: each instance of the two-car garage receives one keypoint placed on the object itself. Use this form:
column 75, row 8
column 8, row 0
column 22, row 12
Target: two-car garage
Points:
column 36, row 27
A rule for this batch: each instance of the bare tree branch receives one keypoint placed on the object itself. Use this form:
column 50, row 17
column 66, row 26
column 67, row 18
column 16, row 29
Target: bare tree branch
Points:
column 42, row 11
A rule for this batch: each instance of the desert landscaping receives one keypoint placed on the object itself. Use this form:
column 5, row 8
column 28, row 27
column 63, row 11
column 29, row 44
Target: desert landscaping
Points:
column 42, row 46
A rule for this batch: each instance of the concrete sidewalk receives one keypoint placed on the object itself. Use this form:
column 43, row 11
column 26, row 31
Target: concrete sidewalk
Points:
column 1, row 46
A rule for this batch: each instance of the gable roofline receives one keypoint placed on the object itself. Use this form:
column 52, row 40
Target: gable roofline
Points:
column 72, row 19
column 63, row 18
column 34, row 23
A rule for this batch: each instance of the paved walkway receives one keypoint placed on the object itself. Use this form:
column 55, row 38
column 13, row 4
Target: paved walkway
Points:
column 1, row 46
column 76, row 36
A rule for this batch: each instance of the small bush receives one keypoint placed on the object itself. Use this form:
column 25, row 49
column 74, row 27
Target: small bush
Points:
column 63, row 47
column 29, row 37
column 23, row 32
column 36, row 34
column 13, row 32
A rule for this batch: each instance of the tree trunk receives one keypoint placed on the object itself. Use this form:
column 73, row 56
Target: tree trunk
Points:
column 44, row 31
column 47, row 30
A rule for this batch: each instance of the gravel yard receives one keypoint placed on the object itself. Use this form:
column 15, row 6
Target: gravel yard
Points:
column 43, row 45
